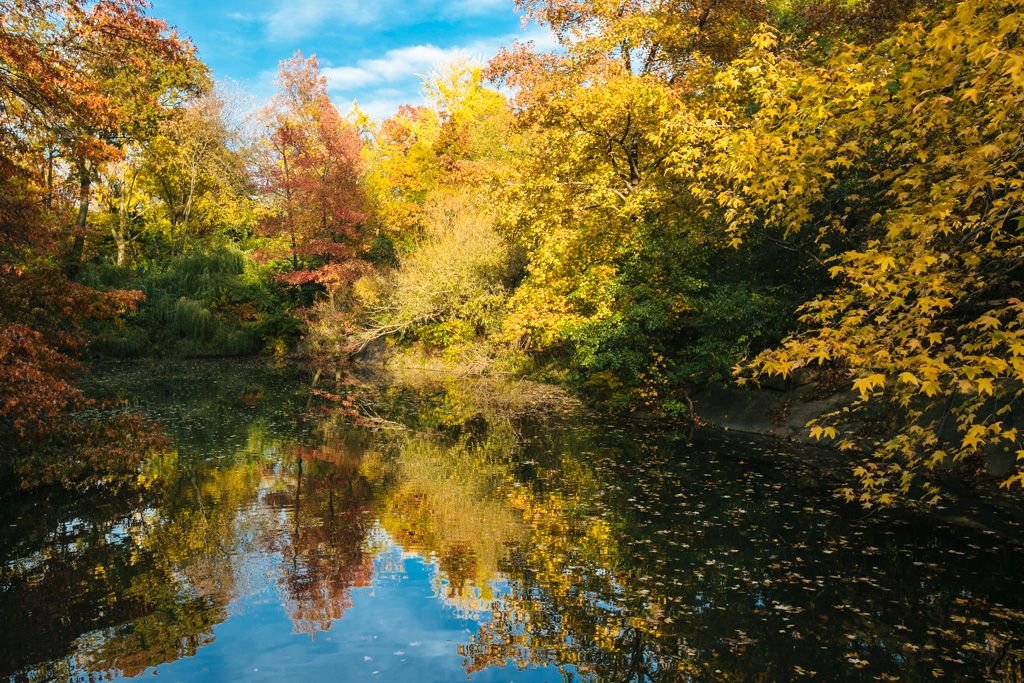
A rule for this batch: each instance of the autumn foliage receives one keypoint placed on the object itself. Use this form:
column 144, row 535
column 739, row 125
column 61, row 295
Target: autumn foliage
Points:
column 681, row 194
column 77, row 80
column 310, row 171
column 904, row 161
column 779, row 188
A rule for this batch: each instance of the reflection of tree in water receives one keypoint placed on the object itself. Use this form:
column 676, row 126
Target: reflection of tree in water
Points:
column 135, row 582
column 463, row 494
column 323, row 551
column 190, row 541
column 443, row 497
column 50, row 572
column 118, row 584
column 637, row 559
column 634, row 571
column 569, row 606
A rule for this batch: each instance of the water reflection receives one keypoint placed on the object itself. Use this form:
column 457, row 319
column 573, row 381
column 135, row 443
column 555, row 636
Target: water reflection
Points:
column 429, row 532
column 326, row 502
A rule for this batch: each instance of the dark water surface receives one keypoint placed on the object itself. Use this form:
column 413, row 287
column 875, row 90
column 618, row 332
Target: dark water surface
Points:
column 451, row 531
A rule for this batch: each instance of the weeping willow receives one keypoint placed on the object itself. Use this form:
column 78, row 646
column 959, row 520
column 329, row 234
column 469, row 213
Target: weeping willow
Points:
column 205, row 303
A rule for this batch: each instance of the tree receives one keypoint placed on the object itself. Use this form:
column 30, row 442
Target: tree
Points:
column 402, row 170
column 626, row 277
column 196, row 165
column 121, row 194
column 903, row 162
column 90, row 79
column 431, row 178
column 75, row 81
column 310, row 172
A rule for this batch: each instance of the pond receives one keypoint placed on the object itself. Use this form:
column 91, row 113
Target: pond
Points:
column 407, row 530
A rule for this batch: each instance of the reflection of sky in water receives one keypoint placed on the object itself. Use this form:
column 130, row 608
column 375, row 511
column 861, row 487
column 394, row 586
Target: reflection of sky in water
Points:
column 398, row 629
column 614, row 551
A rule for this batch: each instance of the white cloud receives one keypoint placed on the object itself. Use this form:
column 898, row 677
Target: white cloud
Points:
column 348, row 77
column 395, row 65
column 419, row 60
column 379, row 108
column 383, row 83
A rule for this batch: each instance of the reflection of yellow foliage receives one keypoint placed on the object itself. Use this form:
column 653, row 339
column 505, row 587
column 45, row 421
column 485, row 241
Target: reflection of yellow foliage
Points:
column 448, row 503
column 577, row 603
column 185, row 546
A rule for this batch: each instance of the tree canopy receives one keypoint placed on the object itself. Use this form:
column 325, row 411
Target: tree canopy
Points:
column 680, row 194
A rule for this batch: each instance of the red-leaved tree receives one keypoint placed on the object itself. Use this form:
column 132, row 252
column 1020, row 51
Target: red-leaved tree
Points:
column 76, row 79
column 310, row 169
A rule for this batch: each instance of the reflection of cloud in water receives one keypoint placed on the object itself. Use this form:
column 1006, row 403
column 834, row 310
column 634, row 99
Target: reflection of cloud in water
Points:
column 466, row 601
column 472, row 544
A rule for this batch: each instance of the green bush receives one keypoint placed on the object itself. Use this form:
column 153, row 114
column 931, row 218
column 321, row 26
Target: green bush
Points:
column 213, row 301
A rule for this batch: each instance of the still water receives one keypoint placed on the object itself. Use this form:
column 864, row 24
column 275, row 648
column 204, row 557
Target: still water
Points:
column 444, row 531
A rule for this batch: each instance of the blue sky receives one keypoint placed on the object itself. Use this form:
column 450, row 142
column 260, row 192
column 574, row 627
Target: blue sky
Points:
column 398, row 629
column 371, row 51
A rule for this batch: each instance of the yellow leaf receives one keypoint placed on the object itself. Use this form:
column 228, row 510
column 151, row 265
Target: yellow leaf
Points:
column 987, row 322
column 864, row 385
column 909, row 378
column 885, row 262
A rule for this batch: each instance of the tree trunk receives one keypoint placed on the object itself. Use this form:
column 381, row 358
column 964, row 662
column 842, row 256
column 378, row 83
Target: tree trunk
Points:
column 49, row 180
column 74, row 260
column 288, row 209
column 191, row 194
column 122, row 246
column 120, row 233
